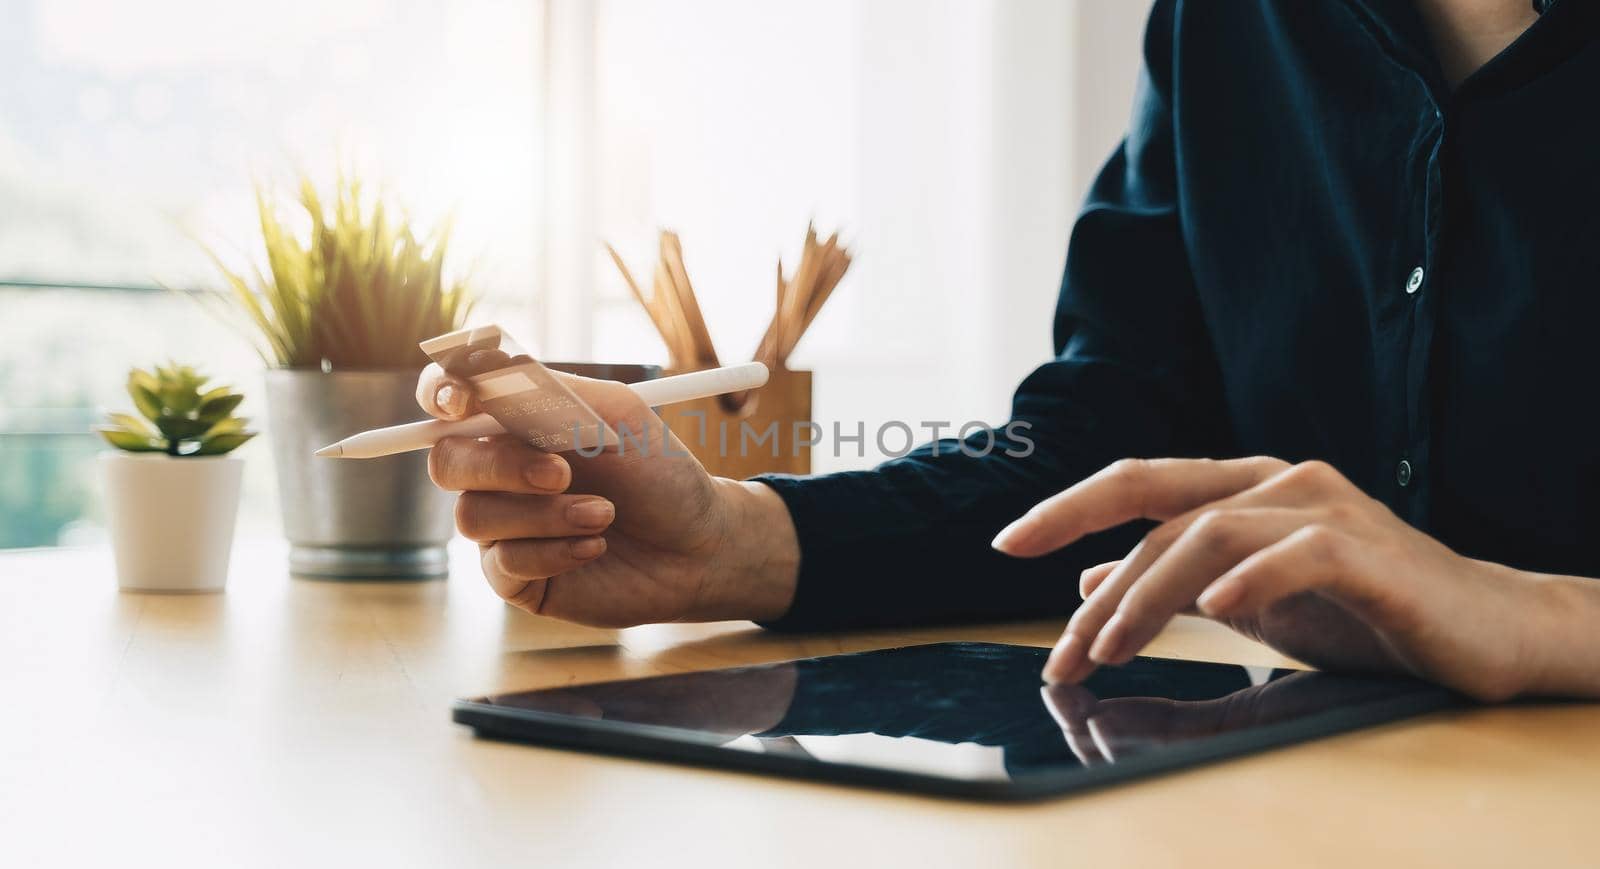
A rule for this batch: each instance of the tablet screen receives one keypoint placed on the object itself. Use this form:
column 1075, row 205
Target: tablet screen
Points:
column 962, row 713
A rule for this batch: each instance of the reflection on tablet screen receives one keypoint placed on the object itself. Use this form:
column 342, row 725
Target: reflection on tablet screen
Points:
column 965, row 711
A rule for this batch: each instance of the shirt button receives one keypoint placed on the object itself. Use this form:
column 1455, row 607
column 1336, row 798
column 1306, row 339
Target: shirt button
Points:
column 1402, row 473
column 1414, row 282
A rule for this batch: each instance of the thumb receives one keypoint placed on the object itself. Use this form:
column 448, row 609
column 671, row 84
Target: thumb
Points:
column 638, row 430
column 614, row 402
column 443, row 395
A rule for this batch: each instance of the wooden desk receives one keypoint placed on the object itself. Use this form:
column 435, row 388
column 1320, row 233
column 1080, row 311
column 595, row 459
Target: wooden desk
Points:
column 293, row 722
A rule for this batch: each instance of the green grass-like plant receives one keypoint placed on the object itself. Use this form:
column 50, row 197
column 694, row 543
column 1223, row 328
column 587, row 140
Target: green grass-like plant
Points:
column 178, row 415
column 358, row 293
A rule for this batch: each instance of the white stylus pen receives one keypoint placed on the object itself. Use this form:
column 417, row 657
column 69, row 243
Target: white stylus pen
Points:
column 422, row 435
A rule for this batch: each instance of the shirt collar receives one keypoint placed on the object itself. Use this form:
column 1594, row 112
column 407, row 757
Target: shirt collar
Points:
column 1568, row 27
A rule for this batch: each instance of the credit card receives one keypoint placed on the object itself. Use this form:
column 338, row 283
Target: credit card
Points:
column 522, row 395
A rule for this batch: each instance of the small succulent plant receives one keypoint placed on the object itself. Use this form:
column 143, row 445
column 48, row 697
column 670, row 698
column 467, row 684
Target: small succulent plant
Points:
column 177, row 415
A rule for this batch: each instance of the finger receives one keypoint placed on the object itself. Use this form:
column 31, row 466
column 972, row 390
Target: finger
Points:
column 1130, row 489
column 1104, row 739
column 613, row 401
column 444, row 395
column 1314, row 558
column 1071, row 707
column 1067, row 659
column 1319, row 562
column 1073, row 661
column 1210, row 546
column 489, row 516
column 639, row 430
column 1074, row 657
column 517, row 570
column 1091, row 578
column 498, row 464
column 515, row 590
column 1126, row 725
column 1070, row 662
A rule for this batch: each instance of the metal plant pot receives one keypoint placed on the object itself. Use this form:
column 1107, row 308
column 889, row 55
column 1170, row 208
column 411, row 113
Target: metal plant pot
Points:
column 347, row 519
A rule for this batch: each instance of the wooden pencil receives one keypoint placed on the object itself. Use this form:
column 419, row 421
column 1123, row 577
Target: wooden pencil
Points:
column 798, row 297
column 704, row 352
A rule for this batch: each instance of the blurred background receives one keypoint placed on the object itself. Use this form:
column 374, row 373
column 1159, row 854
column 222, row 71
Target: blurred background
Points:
column 949, row 142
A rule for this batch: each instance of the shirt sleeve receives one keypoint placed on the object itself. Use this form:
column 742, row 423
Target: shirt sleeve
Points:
column 1134, row 375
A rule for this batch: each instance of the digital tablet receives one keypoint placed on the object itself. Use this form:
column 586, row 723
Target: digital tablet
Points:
column 960, row 719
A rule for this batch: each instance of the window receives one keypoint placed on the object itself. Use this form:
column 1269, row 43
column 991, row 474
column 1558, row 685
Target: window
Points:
column 950, row 142
column 734, row 123
column 128, row 131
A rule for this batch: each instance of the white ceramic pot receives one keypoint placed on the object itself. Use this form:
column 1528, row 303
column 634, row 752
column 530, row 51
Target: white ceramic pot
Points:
column 171, row 518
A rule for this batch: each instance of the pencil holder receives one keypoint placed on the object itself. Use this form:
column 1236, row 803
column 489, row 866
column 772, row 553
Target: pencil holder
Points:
column 765, row 430
column 768, row 430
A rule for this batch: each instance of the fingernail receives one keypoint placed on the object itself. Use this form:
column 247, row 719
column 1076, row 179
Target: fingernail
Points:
column 548, row 473
column 1218, row 597
column 1063, row 659
column 1080, row 672
column 593, row 513
column 1012, row 536
column 450, row 400
column 587, row 547
column 1108, row 645
column 1083, row 579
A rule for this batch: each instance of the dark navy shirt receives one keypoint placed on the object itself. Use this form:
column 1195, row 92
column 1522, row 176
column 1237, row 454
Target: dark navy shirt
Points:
column 1309, row 245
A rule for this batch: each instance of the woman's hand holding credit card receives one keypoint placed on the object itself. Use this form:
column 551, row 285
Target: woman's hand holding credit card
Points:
column 604, row 537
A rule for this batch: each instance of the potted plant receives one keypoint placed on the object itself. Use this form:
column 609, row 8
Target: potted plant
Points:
column 171, row 486
column 339, row 312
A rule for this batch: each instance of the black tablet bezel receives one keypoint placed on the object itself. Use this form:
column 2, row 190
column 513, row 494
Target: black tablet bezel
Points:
column 696, row 748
